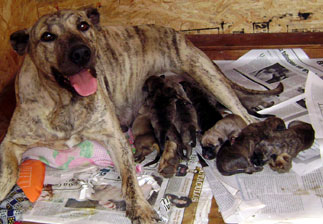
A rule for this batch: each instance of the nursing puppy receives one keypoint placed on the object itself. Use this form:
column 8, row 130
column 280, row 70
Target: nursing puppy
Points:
column 240, row 157
column 282, row 146
column 145, row 141
column 186, row 124
column 226, row 129
column 186, row 117
column 205, row 106
column 81, row 81
column 206, row 111
column 161, row 101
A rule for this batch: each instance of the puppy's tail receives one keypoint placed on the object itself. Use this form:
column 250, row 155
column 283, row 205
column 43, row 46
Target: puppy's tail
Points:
column 157, row 158
column 254, row 113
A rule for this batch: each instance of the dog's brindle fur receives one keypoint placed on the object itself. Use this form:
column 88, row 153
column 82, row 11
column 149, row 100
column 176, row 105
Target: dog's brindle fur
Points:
column 121, row 58
column 282, row 146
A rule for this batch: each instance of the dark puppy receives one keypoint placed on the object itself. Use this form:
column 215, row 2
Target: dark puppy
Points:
column 205, row 106
column 186, row 117
column 206, row 110
column 282, row 146
column 186, row 124
column 240, row 157
column 161, row 101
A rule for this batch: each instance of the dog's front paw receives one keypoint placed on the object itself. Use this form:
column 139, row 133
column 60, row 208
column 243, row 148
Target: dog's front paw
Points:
column 142, row 213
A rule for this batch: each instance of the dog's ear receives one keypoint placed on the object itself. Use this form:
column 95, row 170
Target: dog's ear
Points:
column 19, row 41
column 93, row 14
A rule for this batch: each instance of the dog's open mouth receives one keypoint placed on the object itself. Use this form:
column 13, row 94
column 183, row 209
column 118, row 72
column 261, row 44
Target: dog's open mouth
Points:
column 84, row 82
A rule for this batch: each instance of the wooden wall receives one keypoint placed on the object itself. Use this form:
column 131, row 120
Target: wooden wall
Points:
column 190, row 16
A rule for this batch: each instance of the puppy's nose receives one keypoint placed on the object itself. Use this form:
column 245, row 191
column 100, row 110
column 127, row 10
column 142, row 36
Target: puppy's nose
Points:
column 80, row 55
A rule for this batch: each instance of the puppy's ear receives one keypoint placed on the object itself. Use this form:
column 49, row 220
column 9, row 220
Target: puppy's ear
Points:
column 145, row 88
column 19, row 41
column 93, row 14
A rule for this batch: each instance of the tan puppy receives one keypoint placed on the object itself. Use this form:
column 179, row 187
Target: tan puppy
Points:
column 225, row 129
column 144, row 137
column 83, row 81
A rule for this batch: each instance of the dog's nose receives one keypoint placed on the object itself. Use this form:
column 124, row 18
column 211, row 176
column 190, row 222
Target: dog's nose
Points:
column 80, row 55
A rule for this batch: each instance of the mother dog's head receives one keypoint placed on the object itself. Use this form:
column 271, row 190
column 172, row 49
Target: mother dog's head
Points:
column 62, row 46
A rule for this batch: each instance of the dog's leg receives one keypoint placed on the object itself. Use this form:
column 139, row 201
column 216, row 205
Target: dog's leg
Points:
column 203, row 71
column 137, row 207
column 10, row 154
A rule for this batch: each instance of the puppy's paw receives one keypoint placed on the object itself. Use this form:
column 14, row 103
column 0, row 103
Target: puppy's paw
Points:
column 169, row 160
column 282, row 163
column 142, row 213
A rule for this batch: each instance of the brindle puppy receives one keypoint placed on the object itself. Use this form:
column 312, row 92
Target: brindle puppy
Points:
column 282, row 146
column 240, row 156
column 83, row 81
column 226, row 129
column 161, row 101
column 186, row 124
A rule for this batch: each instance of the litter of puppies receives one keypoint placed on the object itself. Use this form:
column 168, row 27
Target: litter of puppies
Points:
column 176, row 114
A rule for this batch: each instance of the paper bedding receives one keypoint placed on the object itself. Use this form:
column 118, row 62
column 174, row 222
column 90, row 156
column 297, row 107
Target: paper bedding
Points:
column 33, row 169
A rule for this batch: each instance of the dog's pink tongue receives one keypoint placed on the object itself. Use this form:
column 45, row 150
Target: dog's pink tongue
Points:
column 84, row 83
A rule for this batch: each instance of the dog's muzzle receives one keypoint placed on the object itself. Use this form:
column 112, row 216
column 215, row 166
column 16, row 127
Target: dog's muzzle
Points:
column 80, row 55
column 82, row 78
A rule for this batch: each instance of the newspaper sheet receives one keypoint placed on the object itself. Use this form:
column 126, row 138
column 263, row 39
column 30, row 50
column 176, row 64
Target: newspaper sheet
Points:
column 266, row 196
column 93, row 195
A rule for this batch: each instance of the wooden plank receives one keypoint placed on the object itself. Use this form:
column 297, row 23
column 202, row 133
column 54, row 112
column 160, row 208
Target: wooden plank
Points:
column 232, row 46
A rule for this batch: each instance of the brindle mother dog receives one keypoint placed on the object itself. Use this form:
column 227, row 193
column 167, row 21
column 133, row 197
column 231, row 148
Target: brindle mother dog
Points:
column 82, row 81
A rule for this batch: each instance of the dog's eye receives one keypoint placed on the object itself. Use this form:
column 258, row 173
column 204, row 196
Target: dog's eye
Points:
column 83, row 26
column 47, row 37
